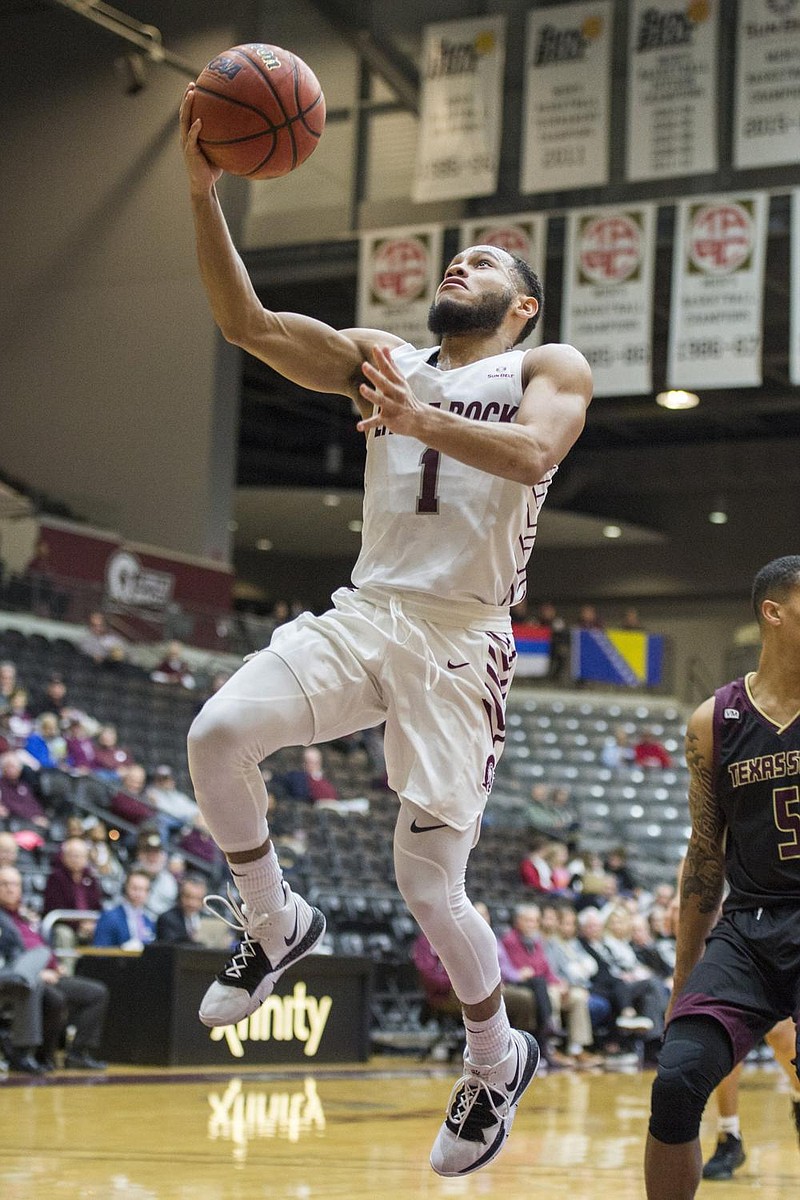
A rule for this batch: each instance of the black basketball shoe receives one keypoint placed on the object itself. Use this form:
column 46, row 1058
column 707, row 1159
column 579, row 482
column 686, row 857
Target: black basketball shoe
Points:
column 728, row 1155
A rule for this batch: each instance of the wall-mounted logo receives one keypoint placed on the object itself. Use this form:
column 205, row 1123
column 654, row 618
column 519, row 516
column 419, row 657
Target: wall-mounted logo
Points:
column 298, row 1017
column 399, row 270
column 128, row 582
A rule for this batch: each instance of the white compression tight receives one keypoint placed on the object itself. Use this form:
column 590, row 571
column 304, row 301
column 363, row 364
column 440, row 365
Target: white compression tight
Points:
column 259, row 710
column 430, row 867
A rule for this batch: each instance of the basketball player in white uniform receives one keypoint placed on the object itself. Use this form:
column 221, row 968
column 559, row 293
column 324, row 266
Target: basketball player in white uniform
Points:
column 462, row 442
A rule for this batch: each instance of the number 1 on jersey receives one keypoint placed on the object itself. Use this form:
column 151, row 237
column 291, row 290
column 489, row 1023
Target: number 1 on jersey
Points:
column 427, row 500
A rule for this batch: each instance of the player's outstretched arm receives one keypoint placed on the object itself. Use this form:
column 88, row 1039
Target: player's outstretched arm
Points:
column 703, row 875
column 551, row 415
column 305, row 350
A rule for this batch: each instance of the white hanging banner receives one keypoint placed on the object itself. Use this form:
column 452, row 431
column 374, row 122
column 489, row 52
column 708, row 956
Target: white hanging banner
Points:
column 672, row 88
column 522, row 234
column 794, row 294
column 399, row 271
column 767, row 72
column 565, row 123
column 609, row 263
column 717, row 292
column 458, row 145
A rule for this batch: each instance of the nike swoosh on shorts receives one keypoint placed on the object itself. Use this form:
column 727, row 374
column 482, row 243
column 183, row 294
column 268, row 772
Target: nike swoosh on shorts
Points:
column 415, row 828
column 451, row 666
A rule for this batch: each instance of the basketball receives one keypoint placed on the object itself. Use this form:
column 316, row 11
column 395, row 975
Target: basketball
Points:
column 262, row 109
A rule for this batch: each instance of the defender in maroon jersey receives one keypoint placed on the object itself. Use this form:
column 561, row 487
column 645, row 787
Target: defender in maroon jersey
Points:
column 734, row 980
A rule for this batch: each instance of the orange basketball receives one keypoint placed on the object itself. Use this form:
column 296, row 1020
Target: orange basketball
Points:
column 262, row 109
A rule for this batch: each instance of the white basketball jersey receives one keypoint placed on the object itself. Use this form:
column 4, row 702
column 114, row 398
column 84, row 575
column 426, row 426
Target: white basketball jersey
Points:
column 434, row 525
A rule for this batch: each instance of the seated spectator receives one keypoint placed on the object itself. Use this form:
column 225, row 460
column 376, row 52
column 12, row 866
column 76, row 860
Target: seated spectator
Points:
column 173, row 806
column 534, row 870
column 100, row 643
column 104, row 858
column 649, row 751
column 8, row 681
column 20, row 994
column 538, row 810
column 9, row 850
column 46, row 743
column 617, row 751
column 556, row 856
column 525, row 949
column 130, row 803
column 151, row 860
column 81, row 753
column 638, row 1002
column 173, row 668
column 6, row 736
column 65, row 1000
column 575, row 967
column 20, row 721
column 53, row 699
column 127, row 925
column 197, row 841
column 566, row 821
column 46, row 599
column 73, row 884
column 616, row 864
column 648, row 952
column 182, row 924
column 310, row 783
column 17, row 797
column 110, row 758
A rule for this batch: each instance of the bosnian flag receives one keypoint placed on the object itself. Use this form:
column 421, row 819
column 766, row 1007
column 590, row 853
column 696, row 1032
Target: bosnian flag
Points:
column 533, row 649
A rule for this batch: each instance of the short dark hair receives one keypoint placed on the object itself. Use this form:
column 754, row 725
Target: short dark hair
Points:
column 531, row 285
column 775, row 581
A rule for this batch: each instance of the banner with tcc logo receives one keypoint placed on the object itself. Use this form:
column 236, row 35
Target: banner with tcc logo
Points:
column 717, row 292
column 399, row 270
column 608, row 295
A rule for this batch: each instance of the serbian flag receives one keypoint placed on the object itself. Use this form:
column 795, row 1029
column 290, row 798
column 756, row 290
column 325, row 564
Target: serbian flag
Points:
column 533, row 649
column 625, row 657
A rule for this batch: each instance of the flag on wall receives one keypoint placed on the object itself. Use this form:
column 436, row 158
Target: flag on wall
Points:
column 533, row 649
column 627, row 658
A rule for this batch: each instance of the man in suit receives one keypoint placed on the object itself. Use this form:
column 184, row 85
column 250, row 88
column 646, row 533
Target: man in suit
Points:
column 181, row 924
column 127, row 926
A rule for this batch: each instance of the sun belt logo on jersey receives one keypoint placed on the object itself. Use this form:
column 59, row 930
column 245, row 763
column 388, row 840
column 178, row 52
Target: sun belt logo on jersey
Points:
column 731, row 714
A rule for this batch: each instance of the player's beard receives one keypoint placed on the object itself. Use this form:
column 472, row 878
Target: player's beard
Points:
column 448, row 316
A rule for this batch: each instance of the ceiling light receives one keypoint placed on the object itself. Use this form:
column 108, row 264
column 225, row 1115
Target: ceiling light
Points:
column 263, row 544
column 677, row 399
column 612, row 531
column 718, row 517
column 331, row 500
column 355, row 526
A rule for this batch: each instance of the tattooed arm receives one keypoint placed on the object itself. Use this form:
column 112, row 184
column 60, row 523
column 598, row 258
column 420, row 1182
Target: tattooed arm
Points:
column 703, row 875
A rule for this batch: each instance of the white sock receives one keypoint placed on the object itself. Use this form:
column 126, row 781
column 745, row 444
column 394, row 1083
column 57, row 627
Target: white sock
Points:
column 488, row 1042
column 260, row 883
column 729, row 1125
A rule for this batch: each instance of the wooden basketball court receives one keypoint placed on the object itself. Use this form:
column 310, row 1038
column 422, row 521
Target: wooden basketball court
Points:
column 359, row 1133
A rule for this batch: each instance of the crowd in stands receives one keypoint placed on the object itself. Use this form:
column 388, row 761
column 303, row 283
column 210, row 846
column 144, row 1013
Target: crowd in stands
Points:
column 586, row 954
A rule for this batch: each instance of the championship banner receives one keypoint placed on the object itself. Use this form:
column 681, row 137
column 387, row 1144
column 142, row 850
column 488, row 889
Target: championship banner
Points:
column 398, row 273
column 458, row 147
column 767, row 70
column 533, row 649
column 522, row 234
column 565, row 121
column 672, row 88
column 717, row 292
column 619, row 656
column 794, row 292
column 607, row 313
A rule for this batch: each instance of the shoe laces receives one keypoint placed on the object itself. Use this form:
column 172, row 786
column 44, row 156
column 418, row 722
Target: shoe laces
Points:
column 238, row 962
column 471, row 1108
